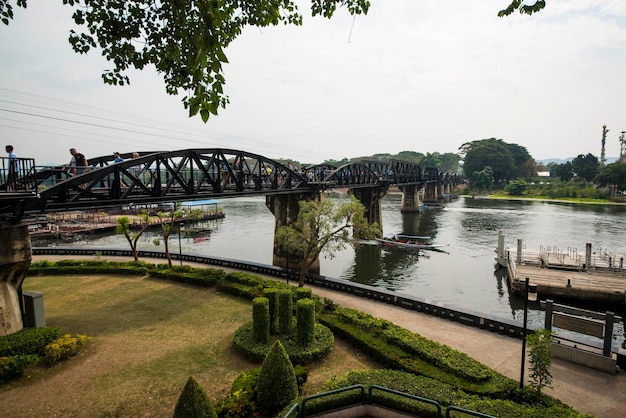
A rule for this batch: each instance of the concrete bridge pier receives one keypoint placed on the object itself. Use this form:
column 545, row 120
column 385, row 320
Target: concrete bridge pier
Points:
column 15, row 258
column 430, row 192
column 410, row 198
column 370, row 197
column 285, row 209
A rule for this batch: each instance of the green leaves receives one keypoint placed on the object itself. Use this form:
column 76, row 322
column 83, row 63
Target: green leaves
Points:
column 527, row 9
column 185, row 41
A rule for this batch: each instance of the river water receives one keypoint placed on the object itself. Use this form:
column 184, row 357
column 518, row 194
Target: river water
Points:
column 462, row 275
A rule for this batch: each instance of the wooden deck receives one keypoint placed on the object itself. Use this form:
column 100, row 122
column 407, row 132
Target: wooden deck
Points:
column 568, row 277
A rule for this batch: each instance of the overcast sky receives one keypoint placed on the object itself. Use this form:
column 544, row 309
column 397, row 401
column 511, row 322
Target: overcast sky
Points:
column 417, row 75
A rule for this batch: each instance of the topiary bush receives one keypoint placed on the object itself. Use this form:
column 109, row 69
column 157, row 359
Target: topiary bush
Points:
column 303, row 293
column 277, row 385
column 261, row 319
column 285, row 311
column 271, row 293
column 305, row 322
column 193, row 402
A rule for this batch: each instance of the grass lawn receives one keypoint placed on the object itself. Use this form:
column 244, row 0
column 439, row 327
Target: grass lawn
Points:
column 149, row 336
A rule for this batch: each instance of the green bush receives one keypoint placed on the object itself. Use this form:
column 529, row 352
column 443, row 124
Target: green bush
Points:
column 305, row 322
column 271, row 293
column 285, row 311
column 193, row 402
column 261, row 319
column 28, row 341
column 64, row 348
column 253, row 350
column 371, row 336
column 303, row 293
column 277, row 384
column 13, row 367
column 241, row 402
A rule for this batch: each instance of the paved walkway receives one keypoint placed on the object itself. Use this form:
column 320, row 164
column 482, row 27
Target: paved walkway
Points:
column 592, row 392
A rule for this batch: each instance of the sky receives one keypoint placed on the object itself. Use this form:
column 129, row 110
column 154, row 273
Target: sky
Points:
column 423, row 76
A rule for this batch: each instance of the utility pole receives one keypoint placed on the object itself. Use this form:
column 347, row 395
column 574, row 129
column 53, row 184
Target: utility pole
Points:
column 622, row 149
column 602, row 153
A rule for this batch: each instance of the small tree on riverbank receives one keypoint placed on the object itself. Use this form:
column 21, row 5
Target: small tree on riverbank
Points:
column 540, row 356
column 168, row 220
column 322, row 227
column 123, row 227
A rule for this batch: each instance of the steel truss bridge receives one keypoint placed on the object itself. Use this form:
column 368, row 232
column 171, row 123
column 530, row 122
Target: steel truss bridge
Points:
column 190, row 174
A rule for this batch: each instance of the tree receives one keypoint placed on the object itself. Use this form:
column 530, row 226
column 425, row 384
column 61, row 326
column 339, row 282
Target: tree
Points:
column 123, row 227
column 586, row 166
column 540, row 356
column 563, row 171
column 522, row 7
column 193, row 402
column 167, row 221
column 482, row 180
column 320, row 227
column 489, row 152
column 517, row 187
column 612, row 175
column 277, row 384
column 184, row 40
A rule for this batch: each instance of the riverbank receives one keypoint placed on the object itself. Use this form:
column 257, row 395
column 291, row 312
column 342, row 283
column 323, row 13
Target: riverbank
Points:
column 574, row 200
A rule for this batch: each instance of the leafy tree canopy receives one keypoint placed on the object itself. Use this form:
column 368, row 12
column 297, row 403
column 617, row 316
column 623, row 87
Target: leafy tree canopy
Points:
column 522, row 7
column 562, row 171
column 586, row 166
column 184, row 40
column 491, row 152
column 613, row 175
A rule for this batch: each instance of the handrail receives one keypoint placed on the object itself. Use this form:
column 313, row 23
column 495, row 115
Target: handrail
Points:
column 466, row 412
column 295, row 408
column 405, row 395
column 332, row 392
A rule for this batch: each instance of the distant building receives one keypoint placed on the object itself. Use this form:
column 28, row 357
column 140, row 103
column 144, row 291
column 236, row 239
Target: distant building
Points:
column 543, row 173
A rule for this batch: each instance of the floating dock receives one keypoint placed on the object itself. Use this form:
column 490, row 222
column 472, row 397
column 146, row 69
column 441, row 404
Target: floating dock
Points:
column 593, row 276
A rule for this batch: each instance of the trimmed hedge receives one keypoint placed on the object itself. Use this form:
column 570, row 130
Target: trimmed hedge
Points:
column 64, row 348
column 445, row 395
column 305, row 321
column 28, row 341
column 381, row 339
column 13, row 367
column 253, row 350
column 277, row 384
column 261, row 320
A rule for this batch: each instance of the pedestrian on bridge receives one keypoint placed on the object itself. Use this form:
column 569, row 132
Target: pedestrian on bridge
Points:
column 78, row 163
column 12, row 169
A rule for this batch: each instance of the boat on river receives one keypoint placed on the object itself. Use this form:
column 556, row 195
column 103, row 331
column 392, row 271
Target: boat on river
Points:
column 431, row 206
column 407, row 245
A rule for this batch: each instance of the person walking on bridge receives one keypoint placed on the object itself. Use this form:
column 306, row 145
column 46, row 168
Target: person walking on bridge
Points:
column 12, row 169
column 78, row 163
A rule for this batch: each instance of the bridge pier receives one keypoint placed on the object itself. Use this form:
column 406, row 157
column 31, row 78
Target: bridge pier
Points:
column 370, row 197
column 15, row 258
column 410, row 198
column 430, row 192
column 285, row 209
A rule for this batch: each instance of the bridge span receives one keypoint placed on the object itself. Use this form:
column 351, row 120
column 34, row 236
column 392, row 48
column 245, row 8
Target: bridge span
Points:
column 184, row 175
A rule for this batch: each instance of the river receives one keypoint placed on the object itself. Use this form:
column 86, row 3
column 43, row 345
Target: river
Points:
column 462, row 275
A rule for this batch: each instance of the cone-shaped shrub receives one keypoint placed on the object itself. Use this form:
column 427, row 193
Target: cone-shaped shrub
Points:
column 305, row 314
column 271, row 293
column 285, row 311
column 277, row 385
column 261, row 319
column 193, row 402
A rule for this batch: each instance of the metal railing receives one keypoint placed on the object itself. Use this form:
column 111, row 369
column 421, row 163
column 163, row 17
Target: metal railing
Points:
column 17, row 175
column 298, row 410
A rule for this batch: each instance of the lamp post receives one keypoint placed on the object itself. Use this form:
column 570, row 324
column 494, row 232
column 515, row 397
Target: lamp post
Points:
column 180, row 248
column 530, row 294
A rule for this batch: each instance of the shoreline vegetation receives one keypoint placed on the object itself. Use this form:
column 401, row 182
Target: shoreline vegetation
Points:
column 539, row 198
